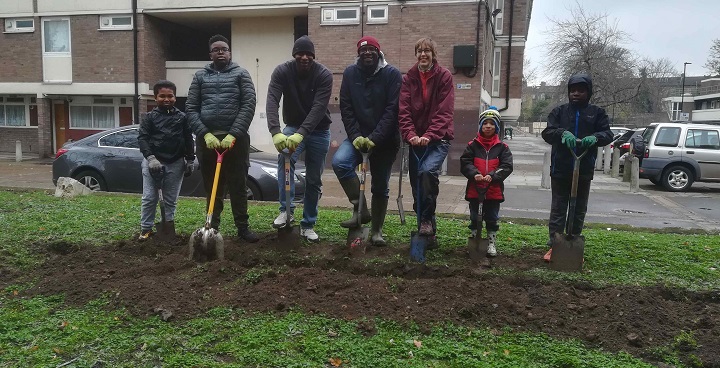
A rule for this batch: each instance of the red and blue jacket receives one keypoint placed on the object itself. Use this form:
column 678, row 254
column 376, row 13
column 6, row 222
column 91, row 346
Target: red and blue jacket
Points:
column 486, row 156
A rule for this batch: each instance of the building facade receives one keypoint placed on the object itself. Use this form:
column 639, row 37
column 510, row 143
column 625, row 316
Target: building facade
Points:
column 70, row 67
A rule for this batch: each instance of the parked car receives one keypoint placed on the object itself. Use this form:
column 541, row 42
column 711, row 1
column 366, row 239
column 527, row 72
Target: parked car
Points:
column 618, row 131
column 623, row 144
column 110, row 161
column 678, row 154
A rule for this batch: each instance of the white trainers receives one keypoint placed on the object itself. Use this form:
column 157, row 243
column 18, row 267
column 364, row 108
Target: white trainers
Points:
column 473, row 233
column 309, row 235
column 281, row 220
column 491, row 251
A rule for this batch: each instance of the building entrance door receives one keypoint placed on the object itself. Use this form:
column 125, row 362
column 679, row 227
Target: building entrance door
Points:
column 60, row 123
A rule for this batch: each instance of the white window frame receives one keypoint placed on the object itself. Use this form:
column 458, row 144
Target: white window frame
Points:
column 329, row 16
column 26, row 103
column 91, row 102
column 497, row 69
column 499, row 4
column 374, row 20
column 63, row 53
column 12, row 27
column 106, row 22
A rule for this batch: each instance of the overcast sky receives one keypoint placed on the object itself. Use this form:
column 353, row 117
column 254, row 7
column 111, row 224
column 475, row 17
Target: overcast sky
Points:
column 679, row 30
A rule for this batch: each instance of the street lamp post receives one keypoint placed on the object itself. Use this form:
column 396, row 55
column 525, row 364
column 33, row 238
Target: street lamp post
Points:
column 682, row 94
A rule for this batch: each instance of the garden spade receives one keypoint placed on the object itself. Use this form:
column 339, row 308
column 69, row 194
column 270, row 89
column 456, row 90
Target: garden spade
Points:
column 568, row 249
column 357, row 236
column 477, row 245
column 166, row 229
column 207, row 241
column 419, row 243
column 401, row 210
column 288, row 234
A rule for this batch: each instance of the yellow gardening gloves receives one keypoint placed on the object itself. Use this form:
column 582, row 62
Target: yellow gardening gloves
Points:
column 211, row 141
column 293, row 141
column 227, row 142
column 369, row 144
column 279, row 140
column 363, row 144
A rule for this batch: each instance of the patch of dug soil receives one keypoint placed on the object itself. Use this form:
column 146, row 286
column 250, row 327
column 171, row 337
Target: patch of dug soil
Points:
column 152, row 278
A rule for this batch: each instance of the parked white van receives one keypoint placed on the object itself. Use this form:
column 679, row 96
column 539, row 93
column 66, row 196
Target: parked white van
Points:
column 678, row 154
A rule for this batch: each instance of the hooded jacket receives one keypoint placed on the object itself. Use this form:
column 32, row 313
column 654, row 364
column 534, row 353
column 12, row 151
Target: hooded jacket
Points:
column 166, row 134
column 369, row 104
column 433, row 120
column 489, row 158
column 221, row 101
column 582, row 120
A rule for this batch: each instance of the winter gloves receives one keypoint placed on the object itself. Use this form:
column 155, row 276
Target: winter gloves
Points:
column 211, row 141
column 227, row 142
column 363, row 144
column 293, row 141
column 154, row 165
column 568, row 139
column 588, row 141
column 279, row 140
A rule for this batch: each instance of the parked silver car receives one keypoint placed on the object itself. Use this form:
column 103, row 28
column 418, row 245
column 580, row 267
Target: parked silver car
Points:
column 110, row 161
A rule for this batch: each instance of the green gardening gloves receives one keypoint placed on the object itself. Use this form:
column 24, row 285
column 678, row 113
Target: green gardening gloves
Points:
column 227, row 142
column 293, row 141
column 588, row 141
column 211, row 141
column 363, row 144
column 568, row 139
column 279, row 141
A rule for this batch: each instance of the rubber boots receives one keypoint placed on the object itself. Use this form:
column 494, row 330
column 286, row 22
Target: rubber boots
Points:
column 379, row 209
column 492, row 237
column 352, row 190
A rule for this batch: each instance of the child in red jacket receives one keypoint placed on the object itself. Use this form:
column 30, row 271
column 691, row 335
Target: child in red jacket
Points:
column 486, row 163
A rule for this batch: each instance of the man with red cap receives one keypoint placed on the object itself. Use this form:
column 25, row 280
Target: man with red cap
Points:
column 369, row 108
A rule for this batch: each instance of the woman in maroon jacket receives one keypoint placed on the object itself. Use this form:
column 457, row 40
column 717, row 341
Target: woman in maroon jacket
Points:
column 427, row 100
column 486, row 163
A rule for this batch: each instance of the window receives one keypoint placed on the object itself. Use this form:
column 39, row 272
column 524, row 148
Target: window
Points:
column 14, row 112
column 123, row 139
column 668, row 137
column 377, row 14
column 499, row 4
column 98, row 113
column 497, row 62
column 19, row 25
column 116, row 22
column 341, row 15
column 56, row 36
column 707, row 139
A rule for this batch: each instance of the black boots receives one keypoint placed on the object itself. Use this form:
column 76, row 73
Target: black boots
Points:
column 379, row 209
column 352, row 190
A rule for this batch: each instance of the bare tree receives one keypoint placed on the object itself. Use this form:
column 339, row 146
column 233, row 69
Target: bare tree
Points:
column 713, row 61
column 529, row 72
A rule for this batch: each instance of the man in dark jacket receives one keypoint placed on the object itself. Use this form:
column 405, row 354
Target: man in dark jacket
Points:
column 566, row 123
column 369, row 107
column 220, row 107
column 305, row 87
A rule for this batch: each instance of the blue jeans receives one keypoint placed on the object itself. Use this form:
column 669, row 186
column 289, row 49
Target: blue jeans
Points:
column 347, row 158
column 425, row 165
column 171, row 189
column 316, row 146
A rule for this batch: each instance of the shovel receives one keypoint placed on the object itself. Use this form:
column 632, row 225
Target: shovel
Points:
column 568, row 249
column 419, row 243
column 207, row 241
column 166, row 230
column 401, row 210
column 357, row 236
column 288, row 235
column 477, row 245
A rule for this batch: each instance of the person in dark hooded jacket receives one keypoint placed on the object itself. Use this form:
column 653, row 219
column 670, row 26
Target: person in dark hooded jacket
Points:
column 577, row 119
column 486, row 163
column 369, row 107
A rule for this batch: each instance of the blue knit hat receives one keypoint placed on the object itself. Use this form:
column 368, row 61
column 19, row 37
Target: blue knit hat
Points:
column 493, row 114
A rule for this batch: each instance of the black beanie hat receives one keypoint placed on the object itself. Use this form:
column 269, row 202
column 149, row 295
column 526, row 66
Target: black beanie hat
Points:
column 303, row 44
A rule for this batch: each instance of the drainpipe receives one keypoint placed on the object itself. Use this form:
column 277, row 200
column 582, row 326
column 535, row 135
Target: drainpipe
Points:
column 136, row 101
column 477, row 43
column 509, row 53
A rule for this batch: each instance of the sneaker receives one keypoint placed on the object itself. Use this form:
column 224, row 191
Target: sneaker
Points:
column 309, row 235
column 473, row 233
column 426, row 228
column 248, row 235
column 281, row 220
column 145, row 235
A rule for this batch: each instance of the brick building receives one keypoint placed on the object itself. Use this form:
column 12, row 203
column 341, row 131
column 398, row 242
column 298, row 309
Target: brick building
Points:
column 69, row 67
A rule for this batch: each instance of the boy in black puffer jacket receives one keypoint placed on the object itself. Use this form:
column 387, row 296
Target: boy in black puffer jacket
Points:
column 566, row 123
column 486, row 163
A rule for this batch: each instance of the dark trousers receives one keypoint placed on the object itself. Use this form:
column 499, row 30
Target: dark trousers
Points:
column 560, row 200
column 490, row 214
column 232, row 180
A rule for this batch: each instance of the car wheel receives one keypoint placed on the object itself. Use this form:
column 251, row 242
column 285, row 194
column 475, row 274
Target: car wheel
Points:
column 677, row 179
column 253, row 191
column 92, row 180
